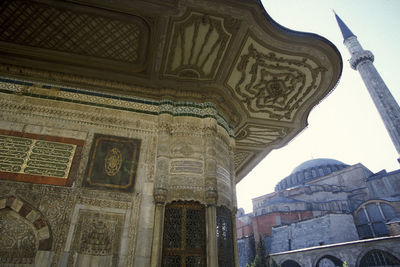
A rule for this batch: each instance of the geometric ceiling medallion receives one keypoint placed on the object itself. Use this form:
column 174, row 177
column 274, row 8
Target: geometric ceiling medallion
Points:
column 272, row 84
column 197, row 45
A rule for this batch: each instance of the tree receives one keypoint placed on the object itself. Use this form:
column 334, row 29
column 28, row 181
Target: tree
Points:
column 261, row 259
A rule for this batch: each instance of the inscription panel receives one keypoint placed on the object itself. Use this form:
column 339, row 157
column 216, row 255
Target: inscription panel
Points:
column 186, row 166
column 30, row 156
column 112, row 163
column 38, row 158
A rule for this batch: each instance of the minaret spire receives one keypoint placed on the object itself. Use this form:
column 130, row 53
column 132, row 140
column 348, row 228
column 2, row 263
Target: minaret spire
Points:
column 346, row 32
column 362, row 60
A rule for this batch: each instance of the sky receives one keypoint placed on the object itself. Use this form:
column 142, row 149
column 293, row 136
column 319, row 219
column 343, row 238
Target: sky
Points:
column 345, row 125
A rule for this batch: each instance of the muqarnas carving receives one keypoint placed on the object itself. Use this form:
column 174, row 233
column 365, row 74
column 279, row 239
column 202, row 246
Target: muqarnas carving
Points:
column 112, row 163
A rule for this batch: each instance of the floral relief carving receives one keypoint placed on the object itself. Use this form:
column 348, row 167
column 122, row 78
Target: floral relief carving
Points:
column 98, row 234
column 18, row 240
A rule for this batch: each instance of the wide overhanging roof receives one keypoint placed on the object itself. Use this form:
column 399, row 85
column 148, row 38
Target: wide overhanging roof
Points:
column 263, row 78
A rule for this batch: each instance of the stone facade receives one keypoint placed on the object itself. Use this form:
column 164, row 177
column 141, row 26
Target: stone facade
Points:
column 328, row 229
column 332, row 203
column 179, row 158
column 353, row 253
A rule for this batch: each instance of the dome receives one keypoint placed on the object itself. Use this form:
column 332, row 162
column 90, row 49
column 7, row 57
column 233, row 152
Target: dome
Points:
column 310, row 170
column 315, row 163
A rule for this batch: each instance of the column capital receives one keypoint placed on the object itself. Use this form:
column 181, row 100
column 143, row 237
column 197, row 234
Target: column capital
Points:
column 160, row 195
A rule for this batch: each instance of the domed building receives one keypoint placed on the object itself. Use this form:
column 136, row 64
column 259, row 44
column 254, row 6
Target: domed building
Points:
column 323, row 203
column 310, row 170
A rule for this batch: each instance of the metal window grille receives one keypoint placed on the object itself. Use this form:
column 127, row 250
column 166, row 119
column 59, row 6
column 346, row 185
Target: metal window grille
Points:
column 225, row 237
column 184, row 235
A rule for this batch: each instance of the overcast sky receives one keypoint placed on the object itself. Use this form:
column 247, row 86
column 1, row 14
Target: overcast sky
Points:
column 345, row 125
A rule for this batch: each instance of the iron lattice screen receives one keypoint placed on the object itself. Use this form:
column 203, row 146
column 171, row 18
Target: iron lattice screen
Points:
column 225, row 237
column 184, row 235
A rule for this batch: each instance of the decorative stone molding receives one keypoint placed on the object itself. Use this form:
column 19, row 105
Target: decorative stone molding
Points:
column 359, row 57
column 160, row 195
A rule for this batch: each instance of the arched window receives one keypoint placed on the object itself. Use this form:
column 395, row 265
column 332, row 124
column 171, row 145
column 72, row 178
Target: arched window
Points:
column 329, row 261
column 314, row 173
column 290, row 263
column 184, row 235
column 377, row 258
column 371, row 219
column 321, row 171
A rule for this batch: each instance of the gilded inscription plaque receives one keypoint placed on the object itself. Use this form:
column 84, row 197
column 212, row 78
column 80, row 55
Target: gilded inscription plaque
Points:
column 37, row 158
column 113, row 163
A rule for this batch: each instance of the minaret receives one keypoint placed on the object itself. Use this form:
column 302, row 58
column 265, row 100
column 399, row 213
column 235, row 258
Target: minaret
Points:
column 362, row 60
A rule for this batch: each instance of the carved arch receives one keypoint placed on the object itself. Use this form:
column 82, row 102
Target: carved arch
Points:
column 33, row 216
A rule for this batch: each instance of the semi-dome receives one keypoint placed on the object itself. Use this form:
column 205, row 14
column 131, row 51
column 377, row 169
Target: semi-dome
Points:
column 310, row 170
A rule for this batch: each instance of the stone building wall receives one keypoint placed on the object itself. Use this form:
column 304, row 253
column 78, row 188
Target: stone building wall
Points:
column 350, row 252
column 323, row 230
column 384, row 184
column 246, row 250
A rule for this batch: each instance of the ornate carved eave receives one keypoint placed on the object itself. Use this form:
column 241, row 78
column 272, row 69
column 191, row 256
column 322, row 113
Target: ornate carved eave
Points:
column 262, row 77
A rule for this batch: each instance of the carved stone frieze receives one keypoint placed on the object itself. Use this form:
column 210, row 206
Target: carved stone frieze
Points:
column 222, row 154
column 151, row 157
column 186, row 193
column 186, row 147
column 113, row 117
column 97, row 233
column 240, row 157
column 183, row 181
column 53, row 208
column 183, row 166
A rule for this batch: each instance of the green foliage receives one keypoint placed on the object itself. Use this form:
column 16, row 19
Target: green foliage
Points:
column 345, row 264
column 261, row 259
column 272, row 263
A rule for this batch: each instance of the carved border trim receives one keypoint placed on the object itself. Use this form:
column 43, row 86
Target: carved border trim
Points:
column 117, row 102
